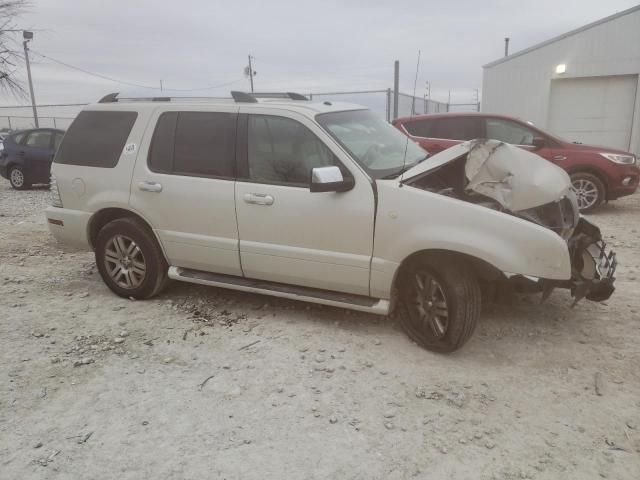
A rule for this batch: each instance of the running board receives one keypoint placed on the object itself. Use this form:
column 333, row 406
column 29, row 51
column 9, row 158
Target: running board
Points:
column 350, row 301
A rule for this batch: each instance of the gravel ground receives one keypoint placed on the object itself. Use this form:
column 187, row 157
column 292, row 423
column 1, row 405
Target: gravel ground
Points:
column 207, row 383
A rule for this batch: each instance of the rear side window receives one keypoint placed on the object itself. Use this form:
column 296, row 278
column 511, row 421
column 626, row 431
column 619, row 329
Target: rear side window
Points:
column 96, row 139
column 57, row 140
column 419, row 128
column 200, row 144
column 17, row 138
column 456, row 128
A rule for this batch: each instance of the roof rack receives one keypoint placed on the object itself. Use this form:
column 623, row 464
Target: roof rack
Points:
column 289, row 95
column 113, row 98
column 238, row 97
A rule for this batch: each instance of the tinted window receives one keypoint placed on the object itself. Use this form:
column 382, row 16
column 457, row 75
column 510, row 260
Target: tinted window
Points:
column 17, row 138
column 161, row 152
column 419, row 128
column 456, row 128
column 509, row 132
column 281, row 150
column 194, row 143
column 38, row 139
column 96, row 139
column 57, row 140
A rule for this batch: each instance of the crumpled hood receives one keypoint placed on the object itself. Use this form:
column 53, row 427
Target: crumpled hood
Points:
column 512, row 176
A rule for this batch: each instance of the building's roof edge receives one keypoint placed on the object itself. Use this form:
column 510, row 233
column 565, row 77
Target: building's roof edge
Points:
column 563, row 36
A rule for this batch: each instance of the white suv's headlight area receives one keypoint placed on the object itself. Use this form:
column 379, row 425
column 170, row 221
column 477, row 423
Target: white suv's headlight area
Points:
column 619, row 158
column 55, row 199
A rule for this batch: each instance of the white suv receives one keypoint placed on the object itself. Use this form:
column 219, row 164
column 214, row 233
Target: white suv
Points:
column 317, row 201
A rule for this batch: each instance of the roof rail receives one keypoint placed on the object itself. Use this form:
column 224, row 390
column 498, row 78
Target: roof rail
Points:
column 238, row 97
column 109, row 98
column 113, row 98
column 242, row 97
column 289, row 95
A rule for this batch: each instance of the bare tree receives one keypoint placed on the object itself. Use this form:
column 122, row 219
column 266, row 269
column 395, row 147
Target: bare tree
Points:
column 11, row 56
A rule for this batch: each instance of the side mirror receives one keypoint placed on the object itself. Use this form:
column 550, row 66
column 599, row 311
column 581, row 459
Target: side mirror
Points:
column 329, row 179
column 538, row 143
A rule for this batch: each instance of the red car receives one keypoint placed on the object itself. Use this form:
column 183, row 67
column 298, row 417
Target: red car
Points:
column 598, row 174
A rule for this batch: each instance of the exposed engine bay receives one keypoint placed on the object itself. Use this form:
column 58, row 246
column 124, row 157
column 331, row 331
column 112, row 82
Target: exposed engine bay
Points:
column 517, row 182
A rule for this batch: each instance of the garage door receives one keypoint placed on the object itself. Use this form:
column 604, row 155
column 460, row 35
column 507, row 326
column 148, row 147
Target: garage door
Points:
column 595, row 110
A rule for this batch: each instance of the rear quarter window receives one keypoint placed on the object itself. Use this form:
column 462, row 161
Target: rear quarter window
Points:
column 96, row 138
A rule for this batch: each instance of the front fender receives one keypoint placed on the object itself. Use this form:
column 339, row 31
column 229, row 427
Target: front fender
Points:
column 409, row 220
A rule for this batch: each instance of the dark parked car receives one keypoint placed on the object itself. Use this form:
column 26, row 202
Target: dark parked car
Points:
column 598, row 174
column 27, row 156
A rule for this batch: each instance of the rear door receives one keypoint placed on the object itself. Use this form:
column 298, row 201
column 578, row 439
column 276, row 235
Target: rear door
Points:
column 287, row 233
column 183, row 184
column 37, row 153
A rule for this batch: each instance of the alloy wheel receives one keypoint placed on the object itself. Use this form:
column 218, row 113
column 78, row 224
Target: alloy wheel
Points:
column 430, row 304
column 125, row 262
column 586, row 193
column 17, row 178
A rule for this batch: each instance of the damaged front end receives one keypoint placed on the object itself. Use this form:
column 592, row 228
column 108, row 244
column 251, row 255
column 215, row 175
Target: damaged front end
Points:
column 517, row 182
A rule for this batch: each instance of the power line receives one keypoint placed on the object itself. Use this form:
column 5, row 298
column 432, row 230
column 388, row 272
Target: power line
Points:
column 131, row 84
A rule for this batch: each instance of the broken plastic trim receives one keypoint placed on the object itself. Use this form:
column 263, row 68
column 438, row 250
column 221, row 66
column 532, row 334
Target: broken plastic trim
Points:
column 592, row 266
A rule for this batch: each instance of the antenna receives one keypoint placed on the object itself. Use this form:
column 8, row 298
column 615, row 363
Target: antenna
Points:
column 406, row 144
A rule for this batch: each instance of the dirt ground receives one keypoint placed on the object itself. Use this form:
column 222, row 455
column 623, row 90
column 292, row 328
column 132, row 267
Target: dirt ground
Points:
column 209, row 383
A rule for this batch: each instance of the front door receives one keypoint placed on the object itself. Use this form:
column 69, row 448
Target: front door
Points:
column 288, row 234
column 183, row 184
column 518, row 134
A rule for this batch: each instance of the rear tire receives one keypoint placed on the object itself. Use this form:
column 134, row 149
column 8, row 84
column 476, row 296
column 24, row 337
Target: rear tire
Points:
column 130, row 260
column 18, row 178
column 590, row 191
column 440, row 303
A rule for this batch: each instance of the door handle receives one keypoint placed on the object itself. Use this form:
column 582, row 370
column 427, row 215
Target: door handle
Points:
column 258, row 198
column 150, row 186
column 559, row 158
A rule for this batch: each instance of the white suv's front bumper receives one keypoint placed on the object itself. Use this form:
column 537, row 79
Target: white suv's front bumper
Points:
column 69, row 227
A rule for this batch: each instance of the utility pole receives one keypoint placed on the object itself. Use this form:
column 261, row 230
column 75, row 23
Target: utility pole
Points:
column 396, row 86
column 251, row 73
column 29, row 36
column 160, row 84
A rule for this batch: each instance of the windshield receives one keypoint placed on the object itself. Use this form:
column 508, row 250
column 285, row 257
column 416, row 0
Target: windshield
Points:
column 381, row 149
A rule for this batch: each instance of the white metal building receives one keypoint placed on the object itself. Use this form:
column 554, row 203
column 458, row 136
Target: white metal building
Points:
column 583, row 85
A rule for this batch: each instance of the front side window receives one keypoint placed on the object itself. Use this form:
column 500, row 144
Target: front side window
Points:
column 283, row 151
column 96, row 138
column 381, row 149
column 194, row 144
column 509, row 132
column 38, row 139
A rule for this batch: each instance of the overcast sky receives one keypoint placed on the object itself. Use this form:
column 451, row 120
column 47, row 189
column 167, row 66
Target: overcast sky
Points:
column 298, row 45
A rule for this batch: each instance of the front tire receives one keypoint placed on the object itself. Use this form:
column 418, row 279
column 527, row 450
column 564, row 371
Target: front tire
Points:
column 589, row 189
column 130, row 260
column 18, row 178
column 440, row 303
